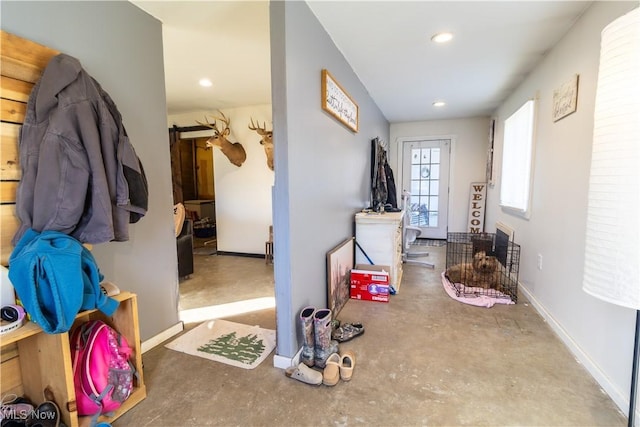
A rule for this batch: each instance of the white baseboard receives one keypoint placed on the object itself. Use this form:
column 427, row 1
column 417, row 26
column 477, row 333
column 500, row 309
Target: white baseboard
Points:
column 620, row 399
column 283, row 362
column 161, row 337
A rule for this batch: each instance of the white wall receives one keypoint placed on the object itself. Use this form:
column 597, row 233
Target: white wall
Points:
column 600, row 334
column 470, row 141
column 243, row 194
column 121, row 47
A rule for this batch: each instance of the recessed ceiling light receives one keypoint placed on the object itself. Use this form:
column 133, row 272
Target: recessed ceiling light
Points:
column 439, row 103
column 442, row 37
column 205, row 83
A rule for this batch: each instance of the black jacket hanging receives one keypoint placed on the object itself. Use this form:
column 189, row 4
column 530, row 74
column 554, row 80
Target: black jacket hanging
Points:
column 381, row 192
column 392, row 199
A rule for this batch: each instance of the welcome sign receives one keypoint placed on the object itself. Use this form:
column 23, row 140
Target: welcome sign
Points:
column 477, row 202
column 337, row 102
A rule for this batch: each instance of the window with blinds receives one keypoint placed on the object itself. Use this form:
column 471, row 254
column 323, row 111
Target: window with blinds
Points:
column 517, row 160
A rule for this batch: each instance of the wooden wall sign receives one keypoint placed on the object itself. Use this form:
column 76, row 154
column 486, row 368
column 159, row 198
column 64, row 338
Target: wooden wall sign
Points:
column 565, row 99
column 476, row 207
column 337, row 102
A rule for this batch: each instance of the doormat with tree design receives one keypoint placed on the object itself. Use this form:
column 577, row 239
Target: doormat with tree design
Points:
column 232, row 343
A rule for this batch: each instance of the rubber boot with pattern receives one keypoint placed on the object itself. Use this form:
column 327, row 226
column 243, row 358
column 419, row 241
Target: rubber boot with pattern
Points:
column 324, row 345
column 308, row 343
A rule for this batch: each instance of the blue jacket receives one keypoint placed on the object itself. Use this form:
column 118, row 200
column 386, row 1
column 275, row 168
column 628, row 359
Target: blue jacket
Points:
column 55, row 277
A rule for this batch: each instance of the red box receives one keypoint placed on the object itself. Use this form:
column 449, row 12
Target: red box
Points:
column 370, row 282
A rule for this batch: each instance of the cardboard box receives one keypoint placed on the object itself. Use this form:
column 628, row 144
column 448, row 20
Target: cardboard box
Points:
column 370, row 282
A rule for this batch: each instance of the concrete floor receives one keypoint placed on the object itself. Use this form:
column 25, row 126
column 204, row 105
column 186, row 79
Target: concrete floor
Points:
column 424, row 359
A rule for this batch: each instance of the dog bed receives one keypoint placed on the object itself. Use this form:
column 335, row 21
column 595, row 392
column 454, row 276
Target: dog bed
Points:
column 473, row 296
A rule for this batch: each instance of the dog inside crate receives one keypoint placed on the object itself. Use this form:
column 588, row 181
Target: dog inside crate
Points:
column 483, row 264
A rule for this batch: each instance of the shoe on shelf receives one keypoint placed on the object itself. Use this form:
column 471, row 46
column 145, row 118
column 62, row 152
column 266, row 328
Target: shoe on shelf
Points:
column 110, row 289
column 347, row 331
column 331, row 373
column 304, row 373
column 47, row 414
column 347, row 363
column 14, row 410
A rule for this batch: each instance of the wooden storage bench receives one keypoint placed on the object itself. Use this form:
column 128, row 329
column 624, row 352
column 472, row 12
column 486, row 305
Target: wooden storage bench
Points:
column 33, row 360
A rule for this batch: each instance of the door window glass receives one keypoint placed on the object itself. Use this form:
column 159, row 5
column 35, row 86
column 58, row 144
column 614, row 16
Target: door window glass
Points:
column 425, row 182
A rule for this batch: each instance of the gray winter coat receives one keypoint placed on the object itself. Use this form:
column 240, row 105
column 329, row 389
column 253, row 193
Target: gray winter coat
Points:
column 80, row 174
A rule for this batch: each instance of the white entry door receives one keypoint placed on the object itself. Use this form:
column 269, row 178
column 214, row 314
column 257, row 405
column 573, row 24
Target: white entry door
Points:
column 425, row 166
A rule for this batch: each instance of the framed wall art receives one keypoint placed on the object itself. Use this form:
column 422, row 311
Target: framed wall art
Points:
column 339, row 266
column 337, row 102
column 565, row 99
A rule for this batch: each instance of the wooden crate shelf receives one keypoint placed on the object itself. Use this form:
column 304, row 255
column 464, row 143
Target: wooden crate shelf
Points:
column 44, row 360
column 33, row 360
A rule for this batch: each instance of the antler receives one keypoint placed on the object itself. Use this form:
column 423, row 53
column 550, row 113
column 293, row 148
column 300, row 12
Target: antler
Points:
column 209, row 125
column 214, row 125
column 224, row 120
column 261, row 130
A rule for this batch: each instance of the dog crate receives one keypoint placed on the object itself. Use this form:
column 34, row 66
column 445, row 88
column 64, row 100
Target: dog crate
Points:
column 503, row 254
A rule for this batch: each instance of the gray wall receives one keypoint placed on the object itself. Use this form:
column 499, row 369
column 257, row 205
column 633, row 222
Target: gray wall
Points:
column 121, row 47
column 598, row 333
column 322, row 168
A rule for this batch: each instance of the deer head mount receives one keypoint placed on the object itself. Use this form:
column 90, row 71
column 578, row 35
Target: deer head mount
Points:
column 233, row 150
column 266, row 141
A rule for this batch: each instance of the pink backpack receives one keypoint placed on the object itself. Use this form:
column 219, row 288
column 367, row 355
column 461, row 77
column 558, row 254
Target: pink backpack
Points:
column 102, row 373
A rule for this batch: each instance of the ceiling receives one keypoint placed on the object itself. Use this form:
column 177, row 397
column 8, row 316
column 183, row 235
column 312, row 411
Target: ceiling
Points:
column 387, row 43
